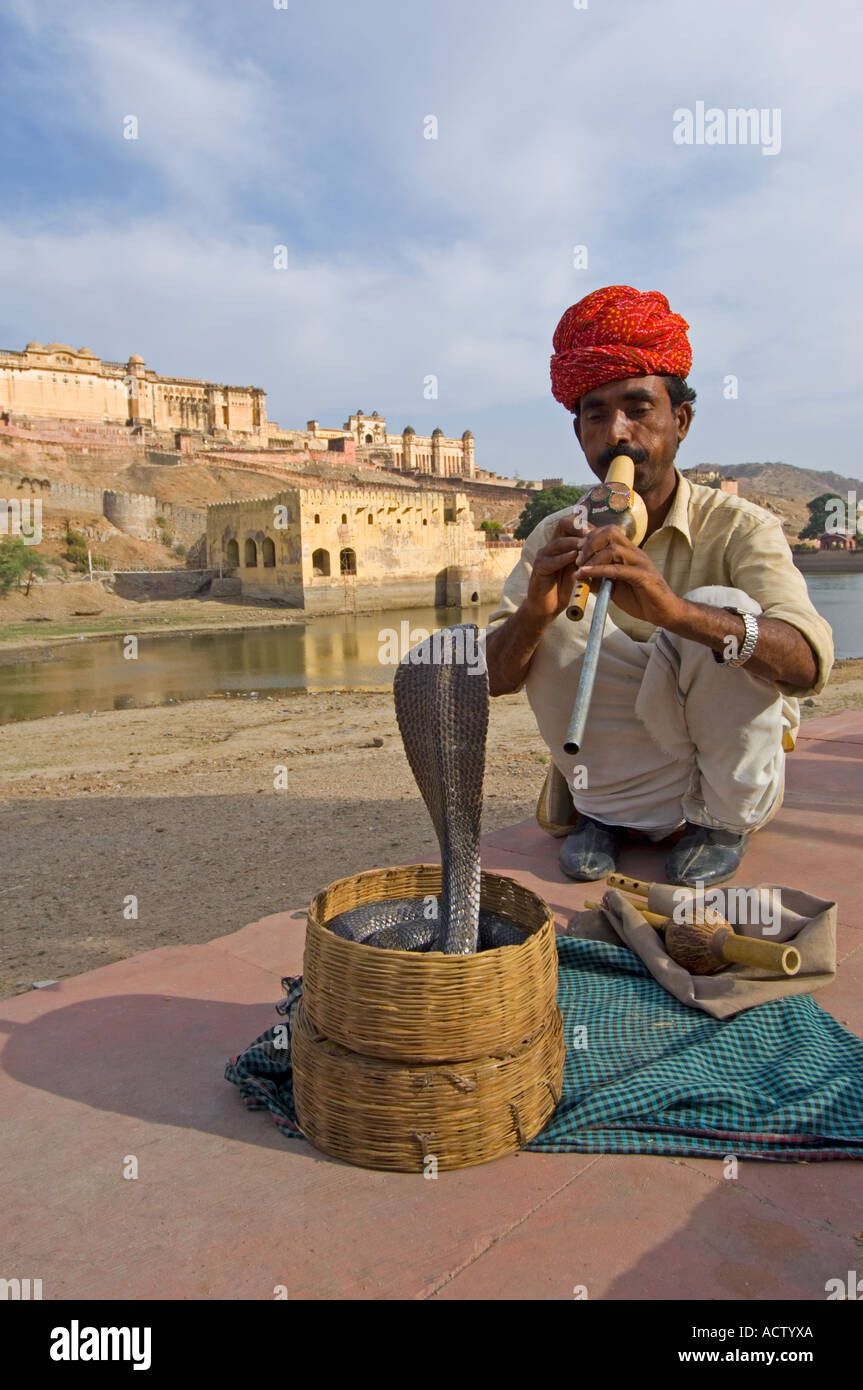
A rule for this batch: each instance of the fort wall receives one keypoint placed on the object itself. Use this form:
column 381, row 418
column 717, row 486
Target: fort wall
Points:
column 331, row 549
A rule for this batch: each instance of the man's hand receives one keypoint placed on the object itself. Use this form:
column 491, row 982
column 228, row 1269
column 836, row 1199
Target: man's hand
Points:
column 553, row 575
column 639, row 589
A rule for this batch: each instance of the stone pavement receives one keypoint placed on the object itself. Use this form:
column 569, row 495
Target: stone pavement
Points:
column 127, row 1061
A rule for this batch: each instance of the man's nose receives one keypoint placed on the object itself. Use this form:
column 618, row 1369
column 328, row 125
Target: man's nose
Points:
column 619, row 429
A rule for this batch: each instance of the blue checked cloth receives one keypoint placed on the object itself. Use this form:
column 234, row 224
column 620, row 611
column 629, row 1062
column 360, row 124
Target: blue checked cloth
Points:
column 646, row 1074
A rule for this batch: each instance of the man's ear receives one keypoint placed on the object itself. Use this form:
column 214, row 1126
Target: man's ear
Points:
column 684, row 420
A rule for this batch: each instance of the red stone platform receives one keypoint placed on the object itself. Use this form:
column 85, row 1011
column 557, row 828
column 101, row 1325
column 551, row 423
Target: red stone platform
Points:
column 127, row 1061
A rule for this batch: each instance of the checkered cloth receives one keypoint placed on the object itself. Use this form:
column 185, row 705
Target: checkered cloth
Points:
column 646, row 1074
column 264, row 1074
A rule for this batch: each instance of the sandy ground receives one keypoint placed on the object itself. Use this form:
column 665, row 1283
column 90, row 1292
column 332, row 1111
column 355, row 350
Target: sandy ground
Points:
column 177, row 808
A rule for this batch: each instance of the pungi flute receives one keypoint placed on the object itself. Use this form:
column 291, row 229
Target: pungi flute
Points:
column 612, row 503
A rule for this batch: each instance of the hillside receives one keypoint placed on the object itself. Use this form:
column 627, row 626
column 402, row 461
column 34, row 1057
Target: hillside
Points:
column 782, row 489
column 785, row 480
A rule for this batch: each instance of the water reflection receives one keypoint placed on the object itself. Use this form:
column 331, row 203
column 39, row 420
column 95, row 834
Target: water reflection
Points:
column 341, row 651
column 839, row 598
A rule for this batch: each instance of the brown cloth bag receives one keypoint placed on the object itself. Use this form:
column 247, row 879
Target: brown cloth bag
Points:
column 807, row 921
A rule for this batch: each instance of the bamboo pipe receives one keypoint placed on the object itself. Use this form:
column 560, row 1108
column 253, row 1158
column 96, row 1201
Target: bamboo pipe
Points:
column 705, row 946
column 653, row 918
column 629, row 885
column 606, row 505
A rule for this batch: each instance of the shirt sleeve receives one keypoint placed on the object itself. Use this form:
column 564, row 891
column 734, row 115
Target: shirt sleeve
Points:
column 761, row 564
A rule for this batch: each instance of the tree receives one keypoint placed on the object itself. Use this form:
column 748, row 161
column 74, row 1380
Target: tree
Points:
column 17, row 560
column 76, row 549
column 492, row 527
column 542, row 504
column 827, row 512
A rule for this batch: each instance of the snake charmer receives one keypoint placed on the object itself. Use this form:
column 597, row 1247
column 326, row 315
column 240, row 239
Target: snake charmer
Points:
column 711, row 637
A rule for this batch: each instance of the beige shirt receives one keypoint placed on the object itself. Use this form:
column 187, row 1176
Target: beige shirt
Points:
column 708, row 537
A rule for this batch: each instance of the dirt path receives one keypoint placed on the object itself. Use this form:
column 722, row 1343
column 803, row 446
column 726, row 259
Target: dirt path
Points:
column 177, row 807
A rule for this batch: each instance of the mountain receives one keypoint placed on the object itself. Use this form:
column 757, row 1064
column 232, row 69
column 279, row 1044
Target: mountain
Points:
column 783, row 480
column 779, row 488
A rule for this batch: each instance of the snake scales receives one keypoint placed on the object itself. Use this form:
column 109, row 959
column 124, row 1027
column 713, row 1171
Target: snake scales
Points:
column 442, row 700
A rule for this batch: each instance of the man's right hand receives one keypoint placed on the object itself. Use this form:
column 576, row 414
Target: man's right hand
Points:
column 553, row 575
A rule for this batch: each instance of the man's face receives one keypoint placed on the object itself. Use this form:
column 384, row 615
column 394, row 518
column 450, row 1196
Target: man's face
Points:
column 632, row 417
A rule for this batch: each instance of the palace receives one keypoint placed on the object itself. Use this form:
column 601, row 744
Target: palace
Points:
column 56, row 383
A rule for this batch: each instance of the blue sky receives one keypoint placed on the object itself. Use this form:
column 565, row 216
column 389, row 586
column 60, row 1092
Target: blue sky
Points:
column 303, row 127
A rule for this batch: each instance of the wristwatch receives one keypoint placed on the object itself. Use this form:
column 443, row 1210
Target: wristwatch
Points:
column 749, row 641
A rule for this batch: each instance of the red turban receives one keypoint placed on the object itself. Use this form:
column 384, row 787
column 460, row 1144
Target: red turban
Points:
column 613, row 333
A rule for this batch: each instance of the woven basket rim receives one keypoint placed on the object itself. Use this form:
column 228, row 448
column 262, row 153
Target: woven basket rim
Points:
column 488, row 878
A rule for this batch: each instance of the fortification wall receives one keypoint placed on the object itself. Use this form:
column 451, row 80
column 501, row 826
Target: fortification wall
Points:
column 132, row 512
column 327, row 548
column 259, row 541
column 169, row 584
column 187, row 524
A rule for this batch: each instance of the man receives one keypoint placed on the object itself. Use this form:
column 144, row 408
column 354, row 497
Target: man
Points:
column 710, row 634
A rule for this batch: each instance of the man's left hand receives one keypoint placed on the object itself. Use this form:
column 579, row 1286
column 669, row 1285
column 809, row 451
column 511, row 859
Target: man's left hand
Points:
column 639, row 589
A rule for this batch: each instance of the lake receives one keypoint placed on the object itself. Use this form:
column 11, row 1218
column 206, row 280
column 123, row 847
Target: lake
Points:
column 352, row 651
column 839, row 598
column 325, row 652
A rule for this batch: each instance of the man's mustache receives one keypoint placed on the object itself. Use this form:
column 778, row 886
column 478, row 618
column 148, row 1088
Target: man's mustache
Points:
column 631, row 451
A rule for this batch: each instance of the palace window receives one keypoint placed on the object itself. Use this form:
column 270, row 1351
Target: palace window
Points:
column 347, row 562
column 321, row 564
column 251, row 554
column 232, row 555
column 269, row 552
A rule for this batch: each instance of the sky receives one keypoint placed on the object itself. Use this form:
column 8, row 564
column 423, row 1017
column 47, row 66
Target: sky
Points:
column 408, row 257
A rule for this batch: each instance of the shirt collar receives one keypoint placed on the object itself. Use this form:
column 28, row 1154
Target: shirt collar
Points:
column 678, row 513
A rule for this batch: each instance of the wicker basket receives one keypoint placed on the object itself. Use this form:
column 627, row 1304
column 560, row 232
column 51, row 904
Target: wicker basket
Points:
column 384, row 1114
column 428, row 1007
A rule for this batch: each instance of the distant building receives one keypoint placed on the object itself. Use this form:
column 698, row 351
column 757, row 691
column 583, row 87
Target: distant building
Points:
column 58, row 382
column 333, row 548
column 830, row 541
column 551, row 482
column 409, row 452
column 711, row 477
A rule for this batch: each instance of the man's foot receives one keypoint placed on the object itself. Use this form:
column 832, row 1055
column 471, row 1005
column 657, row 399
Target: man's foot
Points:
column 704, row 855
column 590, row 850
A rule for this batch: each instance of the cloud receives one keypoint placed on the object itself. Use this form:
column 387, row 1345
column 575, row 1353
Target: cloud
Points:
column 453, row 257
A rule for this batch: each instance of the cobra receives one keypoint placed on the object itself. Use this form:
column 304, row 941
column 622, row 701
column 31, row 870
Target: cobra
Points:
column 442, row 704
